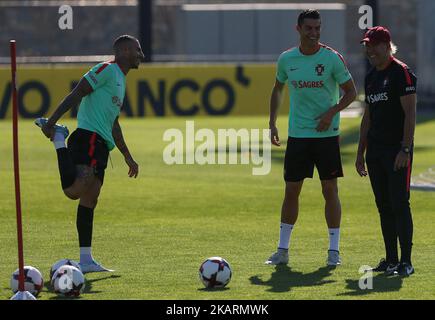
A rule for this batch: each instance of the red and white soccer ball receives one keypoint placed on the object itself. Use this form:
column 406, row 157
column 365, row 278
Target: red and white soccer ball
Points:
column 215, row 272
column 63, row 262
column 33, row 281
column 68, row 281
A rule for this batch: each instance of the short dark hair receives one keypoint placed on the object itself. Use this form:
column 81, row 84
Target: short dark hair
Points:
column 122, row 39
column 308, row 14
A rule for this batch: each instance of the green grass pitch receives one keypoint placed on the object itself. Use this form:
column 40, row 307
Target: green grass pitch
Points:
column 156, row 230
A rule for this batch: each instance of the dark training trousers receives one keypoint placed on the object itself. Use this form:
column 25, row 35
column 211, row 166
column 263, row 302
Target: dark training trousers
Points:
column 391, row 190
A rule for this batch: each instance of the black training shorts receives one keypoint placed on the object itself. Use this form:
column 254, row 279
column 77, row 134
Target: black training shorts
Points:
column 302, row 154
column 89, row 148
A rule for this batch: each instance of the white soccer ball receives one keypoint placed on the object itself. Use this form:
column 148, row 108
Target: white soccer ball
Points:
column 33, row 281
column 215, row 272
column 68, row 281
column 63, row 262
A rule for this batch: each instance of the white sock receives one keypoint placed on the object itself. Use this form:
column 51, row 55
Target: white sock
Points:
column 334, row 238
column 86, row 255
column 284, row 235
column 59, row 140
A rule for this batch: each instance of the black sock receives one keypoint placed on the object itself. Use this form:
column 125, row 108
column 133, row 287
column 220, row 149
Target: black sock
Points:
column 85, row 220
column 67, row 169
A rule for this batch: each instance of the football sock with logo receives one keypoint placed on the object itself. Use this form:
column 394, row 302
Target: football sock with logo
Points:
column 67, row 169
column 334, row 238
column 66, row 166
column 284, row 235
column 85, row 220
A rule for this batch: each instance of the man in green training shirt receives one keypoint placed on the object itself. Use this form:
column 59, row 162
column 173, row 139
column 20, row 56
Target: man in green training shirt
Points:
column 99, row 96
column 314, row 73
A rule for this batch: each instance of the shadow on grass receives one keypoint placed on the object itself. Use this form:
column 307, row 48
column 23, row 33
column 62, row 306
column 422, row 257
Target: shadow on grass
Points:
column 283, row 279
column 213, row 289
column 381, row 283
column 87, row 290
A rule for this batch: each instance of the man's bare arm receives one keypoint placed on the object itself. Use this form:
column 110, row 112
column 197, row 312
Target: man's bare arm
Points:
column 72, row 100
column 119, row 139
column 349, row 96
column 275, row 102
column 363, row 131
column 120, row 144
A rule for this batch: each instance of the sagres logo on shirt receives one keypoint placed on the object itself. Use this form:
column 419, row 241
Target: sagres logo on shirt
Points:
column 307, row 84
column 373, row 98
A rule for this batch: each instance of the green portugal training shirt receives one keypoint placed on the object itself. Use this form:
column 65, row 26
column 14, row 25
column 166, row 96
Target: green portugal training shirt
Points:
column 313, row 82
column 99, row 109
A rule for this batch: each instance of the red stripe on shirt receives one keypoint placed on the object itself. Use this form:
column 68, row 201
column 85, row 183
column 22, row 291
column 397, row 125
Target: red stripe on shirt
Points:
column 105, row 64
column 102, row 68
column 405, row 68
column 335, row 51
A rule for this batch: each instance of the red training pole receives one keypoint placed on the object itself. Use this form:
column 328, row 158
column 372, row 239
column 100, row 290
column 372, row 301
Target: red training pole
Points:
column 12, row 44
